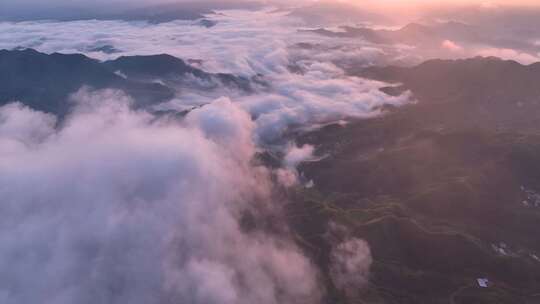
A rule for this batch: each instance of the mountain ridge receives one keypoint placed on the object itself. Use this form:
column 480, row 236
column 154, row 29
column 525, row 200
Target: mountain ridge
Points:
column 33, row 78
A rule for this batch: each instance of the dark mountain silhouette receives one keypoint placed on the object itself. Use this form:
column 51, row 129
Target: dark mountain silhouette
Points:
column 206, row 23
column 141, row 67
column 171, row 69
column 412, row 33
column 44, row 82
column 433, row 35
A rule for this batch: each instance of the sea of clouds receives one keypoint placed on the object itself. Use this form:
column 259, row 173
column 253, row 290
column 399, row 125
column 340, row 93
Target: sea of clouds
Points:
column 242, row 43
column 116, row 205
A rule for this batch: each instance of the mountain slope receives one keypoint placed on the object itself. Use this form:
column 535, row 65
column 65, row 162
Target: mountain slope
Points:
column 431, row 36
column 412, row 34
column 44, row 82
column 174, row 70
column 445, row 191
column 486, row 92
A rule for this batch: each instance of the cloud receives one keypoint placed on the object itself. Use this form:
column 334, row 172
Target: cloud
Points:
column 509, row 54
column 452, row 46
column 296, row 155
column 322, row 94
column 486, row 51
column 21, row 127
column 243, row 43
column 288, row 175
column 233, row 131
column 118, row 206
column 350, row 263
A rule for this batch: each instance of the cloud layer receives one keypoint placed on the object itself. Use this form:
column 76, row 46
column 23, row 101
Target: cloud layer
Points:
column 350, row 263
column 117, row 206
column 243, row 43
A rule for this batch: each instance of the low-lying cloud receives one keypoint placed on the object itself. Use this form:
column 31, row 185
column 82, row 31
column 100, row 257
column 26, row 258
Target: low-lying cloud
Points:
column 350, row 264
column 243, row 43
column 117, row 206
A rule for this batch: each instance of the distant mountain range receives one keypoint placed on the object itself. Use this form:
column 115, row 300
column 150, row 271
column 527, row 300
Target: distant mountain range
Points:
column 326, row 12
column 44, row 81
column 488, row 91
column 432, row 35
column 412, row 33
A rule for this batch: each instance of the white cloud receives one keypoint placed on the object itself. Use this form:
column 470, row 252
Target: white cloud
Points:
column 350, row 264
column 21, row 127
column 243, row 43
column 509, row 54
column 452, row 46
column 117, row 206
column 233, row 131
column 294, row 155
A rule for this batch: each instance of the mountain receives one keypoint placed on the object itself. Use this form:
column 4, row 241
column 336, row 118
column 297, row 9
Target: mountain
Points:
column 445, row 191
column 432, row 35
column 173, row 70
column 412, row 34
column 520, row 22
column 44, row 81
column 488, row 91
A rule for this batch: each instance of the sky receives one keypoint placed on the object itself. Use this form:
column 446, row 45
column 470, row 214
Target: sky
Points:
column 486, row 3
column 459, row 2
